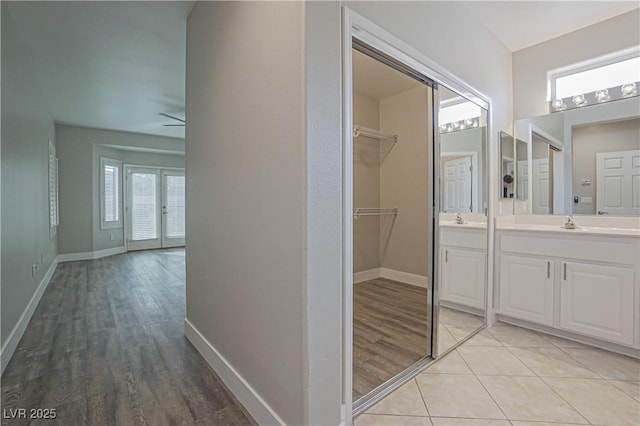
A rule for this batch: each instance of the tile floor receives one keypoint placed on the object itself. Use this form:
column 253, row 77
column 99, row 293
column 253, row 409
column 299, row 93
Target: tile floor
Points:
column 454, row 326
column 507, row 375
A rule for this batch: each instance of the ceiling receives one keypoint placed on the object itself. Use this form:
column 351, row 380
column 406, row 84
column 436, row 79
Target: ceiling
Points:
column 109, row 65
column 520, row 24
column 118, row 65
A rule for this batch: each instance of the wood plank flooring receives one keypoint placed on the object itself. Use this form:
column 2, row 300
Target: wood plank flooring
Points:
column 106, row 347
column 390, row 324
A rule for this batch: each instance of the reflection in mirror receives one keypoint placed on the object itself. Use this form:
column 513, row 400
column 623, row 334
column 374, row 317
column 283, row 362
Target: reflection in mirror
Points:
column 522, row 170
column 392, row 237
column 585, row 160
column 507, row 165
column 461, row 284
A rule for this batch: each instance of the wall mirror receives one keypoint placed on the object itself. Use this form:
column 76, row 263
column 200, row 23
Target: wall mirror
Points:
column 584, row 160
column 507, row 165
column 461, row 284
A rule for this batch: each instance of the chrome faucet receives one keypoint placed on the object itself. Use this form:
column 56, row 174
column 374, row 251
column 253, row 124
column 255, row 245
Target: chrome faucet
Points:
column 570, row 224
column 459, row 219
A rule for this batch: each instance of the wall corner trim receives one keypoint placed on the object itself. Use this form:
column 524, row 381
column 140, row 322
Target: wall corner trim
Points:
column 16, row 334
column 88, row 255
column 248, row 397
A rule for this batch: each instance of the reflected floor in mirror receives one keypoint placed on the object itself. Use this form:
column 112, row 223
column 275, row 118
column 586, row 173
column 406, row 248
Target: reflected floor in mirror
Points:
column 454, row 326
column 389, row 331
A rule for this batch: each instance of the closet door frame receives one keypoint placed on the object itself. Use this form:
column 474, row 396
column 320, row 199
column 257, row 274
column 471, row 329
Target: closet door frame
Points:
column 357, row 28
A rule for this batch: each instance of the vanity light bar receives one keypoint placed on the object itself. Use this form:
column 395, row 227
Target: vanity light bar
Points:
column 609, row 94
column 456, row 126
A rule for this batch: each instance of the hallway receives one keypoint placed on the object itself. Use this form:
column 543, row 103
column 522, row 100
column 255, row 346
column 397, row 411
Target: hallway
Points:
column 106, row 346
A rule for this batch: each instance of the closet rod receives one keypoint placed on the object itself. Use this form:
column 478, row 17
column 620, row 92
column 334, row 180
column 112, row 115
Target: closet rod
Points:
column 362, row 211
column 372, row 133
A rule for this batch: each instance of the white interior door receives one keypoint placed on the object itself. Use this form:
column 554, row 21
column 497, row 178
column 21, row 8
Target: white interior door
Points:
column 457, row 185
column 618, row 182
column 173, row 213
column 522, row 180
column 541, row 186
column 143, row 208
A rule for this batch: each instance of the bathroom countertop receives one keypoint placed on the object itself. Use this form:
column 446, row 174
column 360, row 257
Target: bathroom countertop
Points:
column 559, row 229
column 472, row 225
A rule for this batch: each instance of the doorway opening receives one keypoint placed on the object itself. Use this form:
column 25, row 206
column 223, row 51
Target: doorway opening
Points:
column 154, row 207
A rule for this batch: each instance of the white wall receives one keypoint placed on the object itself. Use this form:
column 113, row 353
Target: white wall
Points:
column 246, row 197
column 530, row 65
column 79, row 151
column 27, row 126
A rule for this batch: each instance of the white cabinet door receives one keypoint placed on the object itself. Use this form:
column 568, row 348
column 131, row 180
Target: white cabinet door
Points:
column 597, row 301
column 463, row 277
column 526, row 288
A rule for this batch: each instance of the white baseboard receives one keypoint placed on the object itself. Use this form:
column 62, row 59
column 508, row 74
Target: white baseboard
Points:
column 89, row 255
column 16, row 334
column 369, row 274
column 391, row 274
column 460, row 307
column 405, row 277
column 248, row 397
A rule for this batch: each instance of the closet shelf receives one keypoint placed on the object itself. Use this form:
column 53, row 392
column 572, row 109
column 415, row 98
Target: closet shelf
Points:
column 364, row 211
column 372, row 133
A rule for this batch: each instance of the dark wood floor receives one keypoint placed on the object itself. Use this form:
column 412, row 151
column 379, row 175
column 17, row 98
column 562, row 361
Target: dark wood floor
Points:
column 389, row 331
column 106, row 347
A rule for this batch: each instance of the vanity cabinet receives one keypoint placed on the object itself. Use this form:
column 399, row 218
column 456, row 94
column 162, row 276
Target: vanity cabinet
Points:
column 579, row 286
column 463, row 273
column 598, row 301
column 526, row 288
column 463, row 269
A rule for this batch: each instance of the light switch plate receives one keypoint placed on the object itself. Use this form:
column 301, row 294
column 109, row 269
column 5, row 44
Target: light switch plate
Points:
column 586, row 182
column 586, row 200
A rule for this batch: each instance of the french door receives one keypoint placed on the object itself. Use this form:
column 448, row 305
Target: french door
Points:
column 154, row 208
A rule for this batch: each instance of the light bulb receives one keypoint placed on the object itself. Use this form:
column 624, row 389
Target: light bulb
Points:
column 456, row 125
column 443, row 127
column 449, row 128
column 602, row 95
column 579, row 100
column 475, row 123
column 628, row 90
column 559, row 105
column 468, row 122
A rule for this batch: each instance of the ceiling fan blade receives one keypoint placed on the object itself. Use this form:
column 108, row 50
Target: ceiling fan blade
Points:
column 164, row 114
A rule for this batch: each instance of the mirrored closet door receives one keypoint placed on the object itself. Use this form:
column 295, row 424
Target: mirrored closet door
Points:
column 393, row 189
column 461, row 285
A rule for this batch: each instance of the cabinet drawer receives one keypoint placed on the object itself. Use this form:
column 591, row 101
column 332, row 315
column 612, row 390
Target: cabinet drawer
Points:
column 463, row 237
column 574, row 247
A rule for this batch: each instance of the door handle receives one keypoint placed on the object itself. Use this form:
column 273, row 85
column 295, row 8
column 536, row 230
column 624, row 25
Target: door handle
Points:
column 548, row 269
column 565, row 270
column 602, row 212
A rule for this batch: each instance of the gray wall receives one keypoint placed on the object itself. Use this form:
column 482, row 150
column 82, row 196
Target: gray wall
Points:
column 246, row 189
column 589, row 140
column 530, row 65
column 79, row 152
column 366, row 184
column 406, row 182
column 27, row 126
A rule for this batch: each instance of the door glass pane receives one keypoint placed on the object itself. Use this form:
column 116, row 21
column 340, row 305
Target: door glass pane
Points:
column 175, row 206
column 144, row 206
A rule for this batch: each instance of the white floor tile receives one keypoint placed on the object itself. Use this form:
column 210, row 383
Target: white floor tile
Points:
column 598, row 401
column 510, row 335
column 452, row 363
column 449, row 395
column 493, row 361
column 607, row 364
column 530, row 399
column 406, row 401
column 552, row 362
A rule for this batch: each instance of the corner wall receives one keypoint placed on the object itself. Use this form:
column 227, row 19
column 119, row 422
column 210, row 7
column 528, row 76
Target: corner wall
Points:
column 27, row 126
